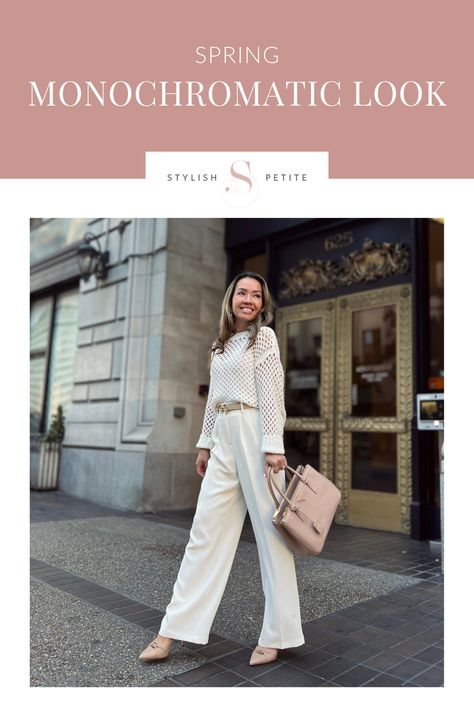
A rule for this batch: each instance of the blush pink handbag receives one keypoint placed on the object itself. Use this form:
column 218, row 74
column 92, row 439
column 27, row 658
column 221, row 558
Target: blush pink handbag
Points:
column 306, row 510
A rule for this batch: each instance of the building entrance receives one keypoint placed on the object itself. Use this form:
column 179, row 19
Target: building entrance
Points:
column 348, row 365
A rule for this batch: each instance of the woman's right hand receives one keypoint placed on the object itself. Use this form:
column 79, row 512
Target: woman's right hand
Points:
column 201, row 461
column 276, row 461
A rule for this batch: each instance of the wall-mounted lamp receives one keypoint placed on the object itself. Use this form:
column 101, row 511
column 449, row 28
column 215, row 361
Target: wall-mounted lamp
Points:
column 91, row 260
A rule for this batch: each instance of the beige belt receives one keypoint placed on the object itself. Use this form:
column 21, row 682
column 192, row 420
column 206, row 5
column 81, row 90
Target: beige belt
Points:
column 226, row 406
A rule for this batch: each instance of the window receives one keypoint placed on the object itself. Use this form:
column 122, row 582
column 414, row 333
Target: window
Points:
column 53, row 333
column 40, row 326
column 49, row 235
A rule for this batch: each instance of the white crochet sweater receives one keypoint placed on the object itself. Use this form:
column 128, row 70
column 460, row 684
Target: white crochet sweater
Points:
column 255, row 377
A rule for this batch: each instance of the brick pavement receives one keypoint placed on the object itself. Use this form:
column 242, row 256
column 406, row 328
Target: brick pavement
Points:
column 395, row 639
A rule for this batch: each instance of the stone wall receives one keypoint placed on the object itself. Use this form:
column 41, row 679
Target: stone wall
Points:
column 142, row 350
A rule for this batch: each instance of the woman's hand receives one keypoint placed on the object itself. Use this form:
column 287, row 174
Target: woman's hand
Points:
column 201, row 461
column 276, row 461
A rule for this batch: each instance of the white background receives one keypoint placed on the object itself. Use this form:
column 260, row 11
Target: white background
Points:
column 451, row 199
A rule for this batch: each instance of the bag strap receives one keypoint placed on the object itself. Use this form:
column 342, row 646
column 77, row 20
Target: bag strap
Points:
column 303, row 479
column 301, row 514
column 272, row 484
column 292, row 471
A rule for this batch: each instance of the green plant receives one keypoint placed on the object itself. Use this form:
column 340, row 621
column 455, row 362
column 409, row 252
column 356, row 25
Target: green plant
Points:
column 56, row 429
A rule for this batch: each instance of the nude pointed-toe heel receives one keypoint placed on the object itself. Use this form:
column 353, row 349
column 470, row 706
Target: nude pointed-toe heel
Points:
column 263, row 655
column 155, row 651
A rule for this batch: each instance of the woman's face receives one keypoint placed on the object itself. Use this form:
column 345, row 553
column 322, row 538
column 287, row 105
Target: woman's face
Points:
column 247, row 301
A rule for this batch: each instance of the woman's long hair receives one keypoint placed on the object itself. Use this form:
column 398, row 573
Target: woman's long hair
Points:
column 227, row 321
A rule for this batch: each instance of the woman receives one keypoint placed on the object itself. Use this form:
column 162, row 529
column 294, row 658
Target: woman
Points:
column 242, row 436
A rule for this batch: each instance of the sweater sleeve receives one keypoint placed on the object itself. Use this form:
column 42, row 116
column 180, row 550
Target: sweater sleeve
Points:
column 270, row 383
column 205, row 440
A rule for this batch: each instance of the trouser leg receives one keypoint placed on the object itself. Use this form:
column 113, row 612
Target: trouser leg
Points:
column 282, row 620
column 214, row 536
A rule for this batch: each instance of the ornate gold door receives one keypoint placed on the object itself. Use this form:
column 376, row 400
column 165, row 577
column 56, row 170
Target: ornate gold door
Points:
column 348, row 365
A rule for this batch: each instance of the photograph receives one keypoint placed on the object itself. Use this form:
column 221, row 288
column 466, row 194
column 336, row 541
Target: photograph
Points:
column 236, row 451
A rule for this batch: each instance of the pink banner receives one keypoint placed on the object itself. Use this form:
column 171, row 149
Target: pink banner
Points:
column 385, row 89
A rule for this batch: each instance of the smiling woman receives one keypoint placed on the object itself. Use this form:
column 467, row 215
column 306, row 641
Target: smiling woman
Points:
column 247, row 292
column 242, row 438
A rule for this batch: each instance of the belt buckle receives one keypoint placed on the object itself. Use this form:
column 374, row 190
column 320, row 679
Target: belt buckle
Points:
column 223, row 407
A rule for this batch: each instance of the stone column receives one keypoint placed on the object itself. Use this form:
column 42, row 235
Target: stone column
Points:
column 195, row 285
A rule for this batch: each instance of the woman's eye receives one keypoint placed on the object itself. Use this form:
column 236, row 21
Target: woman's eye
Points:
column 256, row 295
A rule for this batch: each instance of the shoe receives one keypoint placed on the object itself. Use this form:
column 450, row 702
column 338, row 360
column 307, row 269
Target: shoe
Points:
column 155, row 651
column 263, row 655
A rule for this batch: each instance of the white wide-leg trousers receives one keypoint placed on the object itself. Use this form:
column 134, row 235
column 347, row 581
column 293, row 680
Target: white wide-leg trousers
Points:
column 234, row 481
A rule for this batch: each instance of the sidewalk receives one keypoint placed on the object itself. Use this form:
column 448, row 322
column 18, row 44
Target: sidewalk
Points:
column 371, row 605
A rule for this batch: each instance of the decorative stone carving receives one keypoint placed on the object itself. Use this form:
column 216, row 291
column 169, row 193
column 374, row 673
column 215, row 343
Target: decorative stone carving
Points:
column 310, row 276
column 374, row 261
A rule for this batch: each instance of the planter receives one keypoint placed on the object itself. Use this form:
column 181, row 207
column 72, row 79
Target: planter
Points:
column 48, row 466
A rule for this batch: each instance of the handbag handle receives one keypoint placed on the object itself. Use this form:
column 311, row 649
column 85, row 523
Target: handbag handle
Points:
column 301, row 514
column 272, row 484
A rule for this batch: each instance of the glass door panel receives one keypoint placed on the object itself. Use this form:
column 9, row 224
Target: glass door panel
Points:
column 303, row 368
column 306, row 337
column 302, row 448
column 374, row 461
column 374, row 375
column 374, row 407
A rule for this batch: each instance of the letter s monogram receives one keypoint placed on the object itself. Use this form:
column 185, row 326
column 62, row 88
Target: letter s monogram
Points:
column 240, row 189
column 241, row 176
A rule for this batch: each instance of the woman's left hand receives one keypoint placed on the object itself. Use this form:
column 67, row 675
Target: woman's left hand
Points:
column 276, row 461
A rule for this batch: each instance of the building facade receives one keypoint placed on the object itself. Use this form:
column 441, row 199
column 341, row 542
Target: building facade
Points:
column 126, row 355
column 359, row 319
